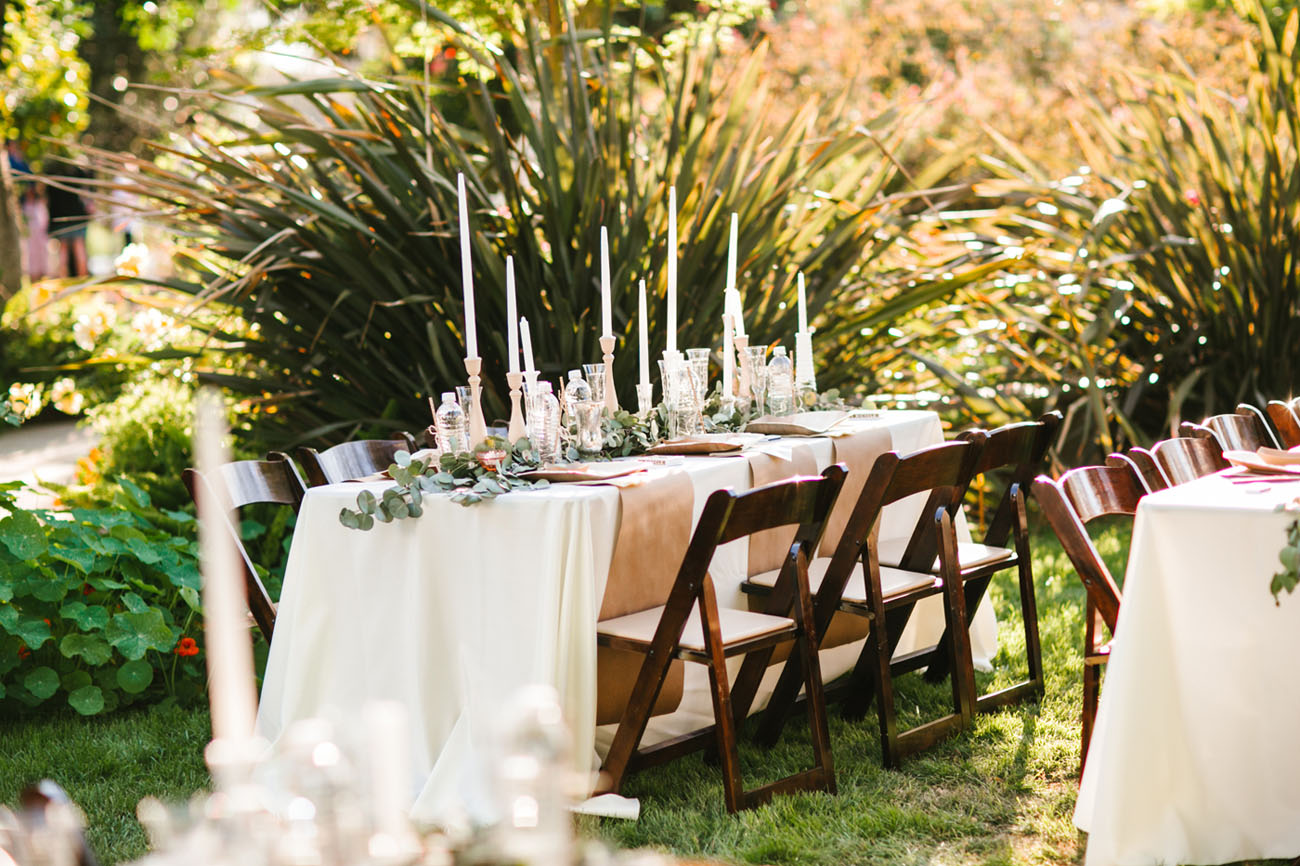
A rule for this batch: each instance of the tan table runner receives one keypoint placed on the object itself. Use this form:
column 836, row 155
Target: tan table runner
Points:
column 654, row 531
column 767, row 550
column 858, row 452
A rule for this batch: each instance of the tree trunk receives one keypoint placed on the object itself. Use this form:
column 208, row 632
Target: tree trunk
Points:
column 11, row 250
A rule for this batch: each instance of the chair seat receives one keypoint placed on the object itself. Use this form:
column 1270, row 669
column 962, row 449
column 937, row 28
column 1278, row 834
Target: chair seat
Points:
column 969, row 554
column 735, row 625
column 893, row 581
column 1099, row 656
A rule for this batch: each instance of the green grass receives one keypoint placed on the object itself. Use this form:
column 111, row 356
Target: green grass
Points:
column 1002, row 792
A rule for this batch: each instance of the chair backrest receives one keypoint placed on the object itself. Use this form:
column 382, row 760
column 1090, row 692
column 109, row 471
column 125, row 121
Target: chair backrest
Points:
column 1250, row 410
column 1232, row 432
column 1285, row 422
column 246, row 482
column 802, row 501
column 1073, row 501
column 1187, row 458
column 351, row 460
column 1144, row 465
column 1020, row 448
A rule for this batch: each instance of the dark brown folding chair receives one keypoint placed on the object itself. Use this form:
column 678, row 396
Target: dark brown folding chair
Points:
column 1016, row 450
column 1239, row 431
column 1253, row 411
column 1187, row 458
column 1285, row 422
column 1070, row 504
column 1144, row 465
column 247, row 482
column 690, row 626
column 853, row 580
column 352, row 460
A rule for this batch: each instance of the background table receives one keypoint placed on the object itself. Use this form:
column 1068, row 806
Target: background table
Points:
column 1194, row 756
column 451, row 613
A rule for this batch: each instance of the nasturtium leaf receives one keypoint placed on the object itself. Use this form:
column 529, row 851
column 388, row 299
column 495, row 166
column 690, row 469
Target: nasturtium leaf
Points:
column 73, row 680
column 251, row 529
column 87, row 700
column 135, row 676
column 134, row 603
column 144, row 551
column 190, row 596
column 2, row 690
column 42, row 682
column 179, row 516
column 184, row 573
column 80, row 558
column 33, row 631
column 23, row 535
column 95, row 650
column 6, row 590
column 140, row 496
column 134, row 634
column 87, row 617
column 46, row 587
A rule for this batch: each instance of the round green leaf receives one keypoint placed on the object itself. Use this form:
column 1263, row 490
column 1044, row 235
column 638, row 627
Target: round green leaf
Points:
column 351, row 519
column 1290, row 558
column 23, row 534
column 366, row 502
column 402, row 458
column 134, row 677
column 73, row 680
column 42, row 682
column 87, row 700
column 95, row 650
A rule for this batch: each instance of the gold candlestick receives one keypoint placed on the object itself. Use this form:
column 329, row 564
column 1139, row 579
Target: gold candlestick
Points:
column 477, row 426
column 517, row 429
column 611, row 399
column 741, row 343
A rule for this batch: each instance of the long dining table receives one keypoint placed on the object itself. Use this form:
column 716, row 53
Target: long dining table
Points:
column 451, row 613
column 1194, row 755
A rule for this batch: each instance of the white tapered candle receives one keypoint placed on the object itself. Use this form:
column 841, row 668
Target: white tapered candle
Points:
column 232, row 692
column 466, row 271
column 728, row 358
column 606, row 313
column 527, row 338
column 731, row 252
column 512, row 318
column 643, row 345
column 672, row 269
column 803, row 307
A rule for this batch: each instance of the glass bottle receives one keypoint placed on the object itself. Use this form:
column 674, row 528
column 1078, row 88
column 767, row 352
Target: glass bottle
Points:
column 544, row 423
column 576, row 391
column 780, row 383
column 451, row 425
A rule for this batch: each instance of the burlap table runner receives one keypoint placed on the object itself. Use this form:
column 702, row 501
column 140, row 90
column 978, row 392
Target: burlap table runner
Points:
column 767, row 550
column 858, row 452
column 654, row 531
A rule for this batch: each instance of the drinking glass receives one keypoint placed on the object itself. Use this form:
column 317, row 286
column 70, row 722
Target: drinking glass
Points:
column 590, row 435
column 699, row 360
column 595, row 374
column 758, row 377
column 680, row 399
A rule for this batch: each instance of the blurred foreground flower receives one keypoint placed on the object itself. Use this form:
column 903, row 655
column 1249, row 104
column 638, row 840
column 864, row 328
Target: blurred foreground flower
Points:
column 66, row 398
column 92, row 324
column 24, row 399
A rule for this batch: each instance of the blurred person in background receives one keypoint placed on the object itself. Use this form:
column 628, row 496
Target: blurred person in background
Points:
column 69, row 215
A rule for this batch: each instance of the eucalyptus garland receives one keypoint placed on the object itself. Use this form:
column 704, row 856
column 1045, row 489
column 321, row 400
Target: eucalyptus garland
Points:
column 495, row 466
column 1289, row 555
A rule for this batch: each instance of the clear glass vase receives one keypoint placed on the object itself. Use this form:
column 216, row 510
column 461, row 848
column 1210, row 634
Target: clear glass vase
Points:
column 544, row 422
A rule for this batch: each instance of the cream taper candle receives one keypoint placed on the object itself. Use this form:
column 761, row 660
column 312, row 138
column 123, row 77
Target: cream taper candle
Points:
column 466, row 271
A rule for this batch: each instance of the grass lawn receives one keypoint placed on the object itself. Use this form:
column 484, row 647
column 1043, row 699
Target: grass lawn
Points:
column 1001, row 792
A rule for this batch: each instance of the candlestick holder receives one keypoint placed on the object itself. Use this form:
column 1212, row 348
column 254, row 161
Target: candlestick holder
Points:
column 611, row 398
column 477, row 426
column 645, row 399
column 804, row 375
column 741, row 343
column 517, row 429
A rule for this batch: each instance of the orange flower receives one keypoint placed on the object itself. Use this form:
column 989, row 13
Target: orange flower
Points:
column 187, row 647
column 23, row 651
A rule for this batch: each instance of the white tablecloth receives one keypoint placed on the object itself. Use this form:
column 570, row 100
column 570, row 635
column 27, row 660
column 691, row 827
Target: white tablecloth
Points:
column 1194, row 757
column 451, row 613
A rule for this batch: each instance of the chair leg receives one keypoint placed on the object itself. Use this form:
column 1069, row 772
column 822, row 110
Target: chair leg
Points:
column 724, row 723
column 938, row 669
column 805, row 646
column 1091, row 688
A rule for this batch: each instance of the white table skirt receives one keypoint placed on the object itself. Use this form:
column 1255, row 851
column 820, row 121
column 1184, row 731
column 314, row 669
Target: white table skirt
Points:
column 1194, row 756
column 450, row 614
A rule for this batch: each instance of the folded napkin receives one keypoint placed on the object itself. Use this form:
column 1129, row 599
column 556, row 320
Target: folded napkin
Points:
column 799, row 424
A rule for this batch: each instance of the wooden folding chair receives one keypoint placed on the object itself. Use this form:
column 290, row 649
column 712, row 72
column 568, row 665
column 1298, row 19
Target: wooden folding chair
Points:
column 1018, row 450
column 247, row 482
column 1144, row 465
column 690, row 626
column 1187, row 458
column 352, row 460
column 1070, row 504
column 853, row 580
column 1243, row 430
column 1253, row 411
column 1285, row 422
